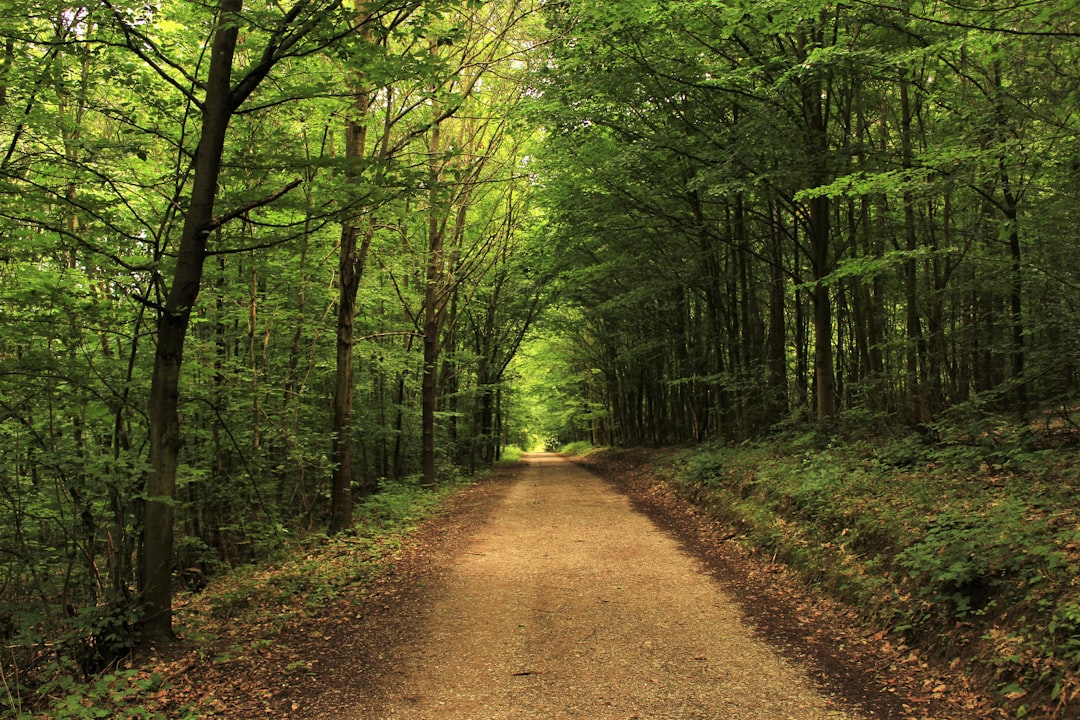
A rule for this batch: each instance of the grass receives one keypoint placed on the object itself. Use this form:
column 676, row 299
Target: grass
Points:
column 512, row 454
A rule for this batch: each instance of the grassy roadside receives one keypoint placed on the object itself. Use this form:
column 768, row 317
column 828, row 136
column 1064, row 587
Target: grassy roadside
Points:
column 970, row 551
column 240, row 621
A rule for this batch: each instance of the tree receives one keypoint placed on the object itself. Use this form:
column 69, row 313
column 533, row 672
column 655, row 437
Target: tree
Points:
column 463, row 156
column 222, row 98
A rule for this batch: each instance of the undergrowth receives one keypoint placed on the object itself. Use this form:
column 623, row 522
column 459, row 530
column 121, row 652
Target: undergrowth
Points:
column 309, row 574
column 305, row 577
column 969, row 548
column 511, row 454
column 577, row 448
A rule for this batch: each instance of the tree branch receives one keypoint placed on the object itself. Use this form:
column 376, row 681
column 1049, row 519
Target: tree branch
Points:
column 278, row 46
column 248, row 207
column 133, row 40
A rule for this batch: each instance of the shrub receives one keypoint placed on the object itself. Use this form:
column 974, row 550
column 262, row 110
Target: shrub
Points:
column 579, row 447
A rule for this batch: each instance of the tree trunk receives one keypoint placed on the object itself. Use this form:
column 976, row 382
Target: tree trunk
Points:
column 776, row 343
column 341, row 444
column 429, row 393
column 1016, row 288
column 818, row 229
column 350, row 269
column 432, row 291
column 450, row 380
column 915, row 356
column 824, row 376
column 155, row 582
column 1010, row 208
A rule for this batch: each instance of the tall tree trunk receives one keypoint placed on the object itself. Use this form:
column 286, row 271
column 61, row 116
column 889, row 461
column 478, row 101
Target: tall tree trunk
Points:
column 818, row 229
column 869, row 295
column 1016, row 287
column 429, row 394
column 290, row 405
column 349, row 270
column 432, row 290
column 481, row 420
column 915, row 355
column 256, row 364
column 351, row 257
column 776, row 342
column 155, row 581
column 5, row 67
column 802, row 352
column 824, row 375
column 399, row 467
column 1010, row 208
column 450, row 379
column 872, row 247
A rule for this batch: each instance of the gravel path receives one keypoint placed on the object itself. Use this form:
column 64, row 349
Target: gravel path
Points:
column 567, row 603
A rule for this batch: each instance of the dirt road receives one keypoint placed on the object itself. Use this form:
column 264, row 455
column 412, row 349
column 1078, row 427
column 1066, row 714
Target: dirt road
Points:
column 567, row 603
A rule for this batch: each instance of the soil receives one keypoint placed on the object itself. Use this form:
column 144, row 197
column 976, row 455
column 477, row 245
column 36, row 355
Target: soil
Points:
column 548, row 591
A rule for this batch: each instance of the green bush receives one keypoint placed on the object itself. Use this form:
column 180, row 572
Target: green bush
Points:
column 965, row 554
column 122, row 693
column 579, row 447
column 512, row 453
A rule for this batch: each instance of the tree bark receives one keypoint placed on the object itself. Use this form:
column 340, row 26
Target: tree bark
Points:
column 155, row 582
column 818, row 229
column 1010, row 208
column 776, row 395
column 432, row 291
column 351, row 258
column 915, row 356
column 1016, row 288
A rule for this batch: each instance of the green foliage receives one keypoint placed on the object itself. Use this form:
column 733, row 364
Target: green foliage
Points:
column 547, row 410
column 1064, row 626
column 675, row 254
column 577, row 448
column 317, row 568
column 305, row 577
column 129, row 693
column 100, row 117
column 398, row 506
column 968, row 557
column 923, row 146
column 512, row 454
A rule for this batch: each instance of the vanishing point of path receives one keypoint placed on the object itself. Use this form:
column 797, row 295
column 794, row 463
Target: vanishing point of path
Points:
column 568, row 604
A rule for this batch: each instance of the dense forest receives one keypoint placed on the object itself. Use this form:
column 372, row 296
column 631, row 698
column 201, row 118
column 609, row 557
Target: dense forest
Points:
column 319, row 208
column 782, row 212
column 262, row 258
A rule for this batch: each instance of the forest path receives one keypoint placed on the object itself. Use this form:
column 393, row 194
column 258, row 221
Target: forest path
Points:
column 568, row 603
